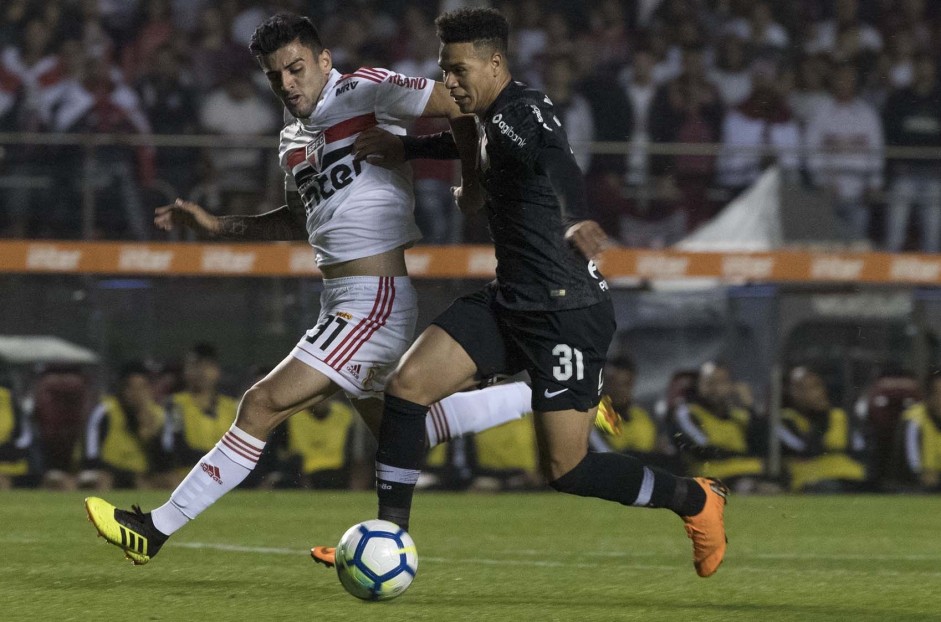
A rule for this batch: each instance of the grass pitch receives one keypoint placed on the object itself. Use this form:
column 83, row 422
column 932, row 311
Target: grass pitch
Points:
column 530, row 557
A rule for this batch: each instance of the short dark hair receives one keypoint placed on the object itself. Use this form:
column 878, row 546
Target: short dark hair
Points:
column 281, row 29
column 482, row 27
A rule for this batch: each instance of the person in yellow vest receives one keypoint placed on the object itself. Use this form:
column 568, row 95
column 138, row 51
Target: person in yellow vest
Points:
column 822, row 447
column 921, row 437
column 15, row 440
column 501, row 458
column 322, row 447
column 198, row 416
column 716, row 431
column 622, row 425
column 122, row 434
column 505, row 457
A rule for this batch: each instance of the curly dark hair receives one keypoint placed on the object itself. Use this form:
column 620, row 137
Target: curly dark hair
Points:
column 482, row 27
column 280, row 30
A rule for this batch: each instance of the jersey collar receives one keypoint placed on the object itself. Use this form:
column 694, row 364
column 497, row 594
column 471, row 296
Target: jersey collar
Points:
column 332, row 79
column 508, row 92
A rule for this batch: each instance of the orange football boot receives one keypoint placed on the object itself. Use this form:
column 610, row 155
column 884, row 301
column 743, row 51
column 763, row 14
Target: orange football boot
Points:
column 326, row 555
column 706, row 529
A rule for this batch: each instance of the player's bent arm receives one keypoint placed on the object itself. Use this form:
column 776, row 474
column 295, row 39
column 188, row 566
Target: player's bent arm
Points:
column 441, row 104
column 279, row 224
column 440, row 146
column 569, row 187
column 464, row 130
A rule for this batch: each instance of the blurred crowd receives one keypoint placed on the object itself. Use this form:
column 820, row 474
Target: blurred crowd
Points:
column 148, row 425
column 819, row 87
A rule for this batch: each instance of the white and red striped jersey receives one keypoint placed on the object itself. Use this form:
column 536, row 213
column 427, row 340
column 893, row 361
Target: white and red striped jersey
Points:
column 354, row 209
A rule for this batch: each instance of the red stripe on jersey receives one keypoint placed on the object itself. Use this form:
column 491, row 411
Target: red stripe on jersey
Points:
column 364, row 76
column 372, row 326
column 350, row 127
column 296, row 156
column 379, row 74
column 381, row 309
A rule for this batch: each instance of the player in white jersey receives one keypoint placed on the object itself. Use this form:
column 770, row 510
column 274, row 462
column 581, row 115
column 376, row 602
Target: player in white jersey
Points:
column 358, row 218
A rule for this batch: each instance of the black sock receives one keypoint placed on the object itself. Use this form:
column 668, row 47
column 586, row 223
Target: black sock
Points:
column 622, row 478
column 399, row 459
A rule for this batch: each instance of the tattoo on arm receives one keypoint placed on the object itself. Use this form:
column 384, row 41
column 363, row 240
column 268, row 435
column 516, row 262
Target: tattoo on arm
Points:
column 278, row 224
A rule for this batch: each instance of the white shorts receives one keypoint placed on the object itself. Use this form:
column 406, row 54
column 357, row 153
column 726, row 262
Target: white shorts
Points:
column 366, row 323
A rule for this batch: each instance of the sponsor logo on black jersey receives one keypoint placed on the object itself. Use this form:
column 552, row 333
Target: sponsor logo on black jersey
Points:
column 507, row 130
column 593, row 271
column 539, row 118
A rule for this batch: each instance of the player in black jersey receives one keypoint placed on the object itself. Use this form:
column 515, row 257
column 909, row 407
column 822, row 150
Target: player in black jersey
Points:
column 548, row 311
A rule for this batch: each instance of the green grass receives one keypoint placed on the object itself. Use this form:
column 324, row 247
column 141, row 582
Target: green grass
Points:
column 532, row 557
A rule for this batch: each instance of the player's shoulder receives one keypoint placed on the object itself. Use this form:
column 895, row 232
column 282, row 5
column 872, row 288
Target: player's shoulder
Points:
column 523, row 107
column 368, row 75
column 291, row 127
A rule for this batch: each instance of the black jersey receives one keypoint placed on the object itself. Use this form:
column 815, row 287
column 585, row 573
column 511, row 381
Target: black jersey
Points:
column 536, row 268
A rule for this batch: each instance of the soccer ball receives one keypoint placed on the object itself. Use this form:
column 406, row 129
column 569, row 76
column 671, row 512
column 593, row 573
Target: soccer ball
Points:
column 376, row 560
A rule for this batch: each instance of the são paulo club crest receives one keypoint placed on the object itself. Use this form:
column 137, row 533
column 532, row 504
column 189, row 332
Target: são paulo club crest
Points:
column 314, row 151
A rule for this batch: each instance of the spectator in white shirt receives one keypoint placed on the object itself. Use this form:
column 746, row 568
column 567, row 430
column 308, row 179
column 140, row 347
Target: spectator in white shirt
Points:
column 809, row 92
column 845, row 152
column 760, row 130
column 731, row 73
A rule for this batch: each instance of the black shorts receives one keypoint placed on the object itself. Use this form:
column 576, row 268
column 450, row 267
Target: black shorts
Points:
column 563, row 351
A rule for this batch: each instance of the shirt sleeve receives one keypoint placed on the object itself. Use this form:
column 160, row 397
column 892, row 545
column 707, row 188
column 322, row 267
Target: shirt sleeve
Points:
column 533, row 134
column 399, row 98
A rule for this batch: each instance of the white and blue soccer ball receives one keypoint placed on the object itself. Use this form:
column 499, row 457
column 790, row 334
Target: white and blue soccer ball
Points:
column 376, row 560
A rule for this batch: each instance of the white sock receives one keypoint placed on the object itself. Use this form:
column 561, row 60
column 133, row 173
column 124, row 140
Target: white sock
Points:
column 222, row 469
column 475, row 411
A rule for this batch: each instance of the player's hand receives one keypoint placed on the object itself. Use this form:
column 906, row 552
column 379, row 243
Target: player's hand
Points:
column 469, row 198
column 379, row 147
column 182, row 213
column 589, row 238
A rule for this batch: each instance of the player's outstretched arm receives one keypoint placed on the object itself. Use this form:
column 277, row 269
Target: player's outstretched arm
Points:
column 278, row 224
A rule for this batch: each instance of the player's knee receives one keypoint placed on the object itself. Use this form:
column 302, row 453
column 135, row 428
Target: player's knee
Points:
column 258, row 410
column 568, row 482
column 408, row 383
column 561, row 470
